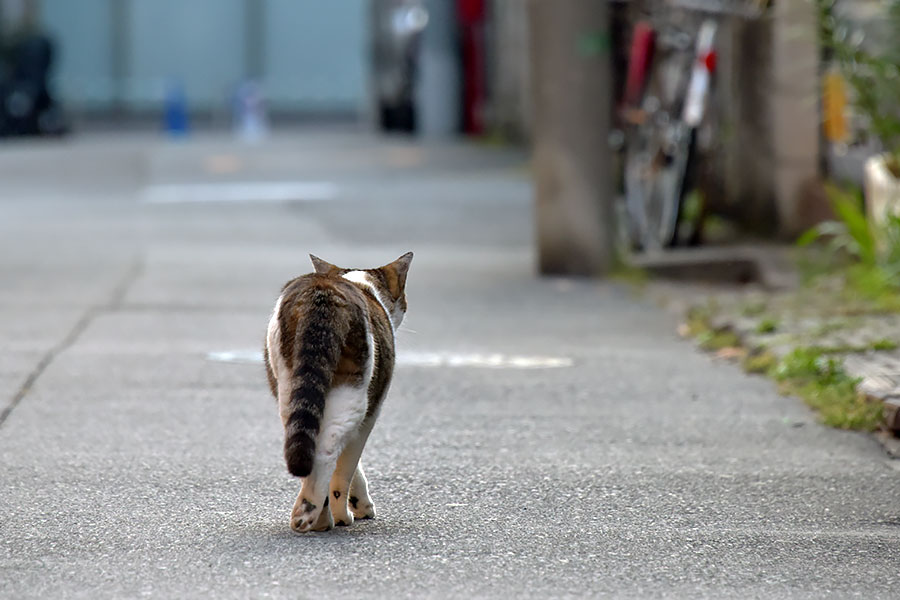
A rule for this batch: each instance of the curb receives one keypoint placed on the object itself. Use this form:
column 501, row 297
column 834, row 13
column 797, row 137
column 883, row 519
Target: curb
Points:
column 889, row 432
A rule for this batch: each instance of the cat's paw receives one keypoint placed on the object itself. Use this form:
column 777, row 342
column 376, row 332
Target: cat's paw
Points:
column 306, row 516
column 362, row 508
column 342, row 520
column 339, row 513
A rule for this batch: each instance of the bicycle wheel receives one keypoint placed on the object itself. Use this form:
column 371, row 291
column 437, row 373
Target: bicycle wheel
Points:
column 658, row 155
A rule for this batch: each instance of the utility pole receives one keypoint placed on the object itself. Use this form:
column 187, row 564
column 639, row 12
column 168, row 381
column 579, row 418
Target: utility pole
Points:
column 571, row 88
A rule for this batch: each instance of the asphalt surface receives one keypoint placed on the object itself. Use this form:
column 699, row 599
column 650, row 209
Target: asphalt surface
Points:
column 133, row 465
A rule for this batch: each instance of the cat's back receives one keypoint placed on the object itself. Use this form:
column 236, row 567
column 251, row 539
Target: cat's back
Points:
column 315, row 289
column 305, row 287
column 334, row 308
column 318, row 291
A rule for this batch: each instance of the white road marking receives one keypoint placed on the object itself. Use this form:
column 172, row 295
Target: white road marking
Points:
column 487, row 361
column 240, row 191
column 430, row 359
column 236, row 356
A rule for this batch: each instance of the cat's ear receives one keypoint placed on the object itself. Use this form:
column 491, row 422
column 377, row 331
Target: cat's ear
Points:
column 321, row 266
column 399, row 268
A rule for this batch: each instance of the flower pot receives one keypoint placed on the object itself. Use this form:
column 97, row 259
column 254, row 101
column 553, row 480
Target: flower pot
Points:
column 882, row 190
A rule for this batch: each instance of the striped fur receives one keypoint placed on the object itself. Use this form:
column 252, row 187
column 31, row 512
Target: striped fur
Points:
column 319, row 342
column 329, row 360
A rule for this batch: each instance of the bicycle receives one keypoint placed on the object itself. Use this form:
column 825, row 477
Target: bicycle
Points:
column 672, row 61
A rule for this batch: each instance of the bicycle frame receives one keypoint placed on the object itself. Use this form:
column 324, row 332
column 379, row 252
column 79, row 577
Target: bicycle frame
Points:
column 701, row 74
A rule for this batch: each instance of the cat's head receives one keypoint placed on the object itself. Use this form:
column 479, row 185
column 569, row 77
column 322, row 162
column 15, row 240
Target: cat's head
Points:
column 388, row 282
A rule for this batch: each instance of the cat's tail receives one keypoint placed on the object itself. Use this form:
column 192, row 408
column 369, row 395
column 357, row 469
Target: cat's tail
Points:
column 319, row 343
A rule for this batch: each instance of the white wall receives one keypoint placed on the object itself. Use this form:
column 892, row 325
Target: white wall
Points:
column 315, row 54
column 83, row 35
column 312, row 55
column 199, row 42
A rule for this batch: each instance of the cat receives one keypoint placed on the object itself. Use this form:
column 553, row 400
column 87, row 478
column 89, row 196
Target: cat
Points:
column 329, row 357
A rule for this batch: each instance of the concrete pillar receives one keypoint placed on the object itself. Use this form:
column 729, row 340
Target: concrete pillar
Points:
column 570, row 60
column 795, row 111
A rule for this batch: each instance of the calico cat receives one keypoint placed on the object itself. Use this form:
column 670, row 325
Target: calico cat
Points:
column 329, row 358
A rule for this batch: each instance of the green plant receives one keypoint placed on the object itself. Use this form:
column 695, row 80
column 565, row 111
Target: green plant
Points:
column 692, row 214
column 806, row 364
column 867, row 255
column 851, row 234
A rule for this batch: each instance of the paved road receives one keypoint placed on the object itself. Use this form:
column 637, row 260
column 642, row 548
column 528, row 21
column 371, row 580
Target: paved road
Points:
column 133, row 465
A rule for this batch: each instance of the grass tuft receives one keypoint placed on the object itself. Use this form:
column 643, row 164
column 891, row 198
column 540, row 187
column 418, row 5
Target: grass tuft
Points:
column 884, row 345
column 713, row 339
column 821, row 381
column 760, row 362
column 767, row 325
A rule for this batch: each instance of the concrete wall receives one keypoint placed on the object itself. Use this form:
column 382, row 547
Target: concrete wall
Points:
column 740, row 171
column 763, row 170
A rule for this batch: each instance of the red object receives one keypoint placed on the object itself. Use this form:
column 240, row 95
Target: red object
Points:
column 470, row 11
column 709, row 61
column 639, row 56
column 471, row 14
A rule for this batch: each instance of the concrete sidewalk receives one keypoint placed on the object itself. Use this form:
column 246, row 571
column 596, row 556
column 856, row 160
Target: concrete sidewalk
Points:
column 630, row 466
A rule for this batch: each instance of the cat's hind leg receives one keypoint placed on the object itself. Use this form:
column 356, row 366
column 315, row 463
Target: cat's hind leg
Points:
column 345, row 408
column 343, row 474
column 360, row 502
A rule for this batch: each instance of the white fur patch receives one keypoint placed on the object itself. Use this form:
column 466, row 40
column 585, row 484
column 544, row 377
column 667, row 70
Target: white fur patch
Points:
column 280, row 370
column 273, row 338
column 358, row 277
column 345, row 408
column 362, row 278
